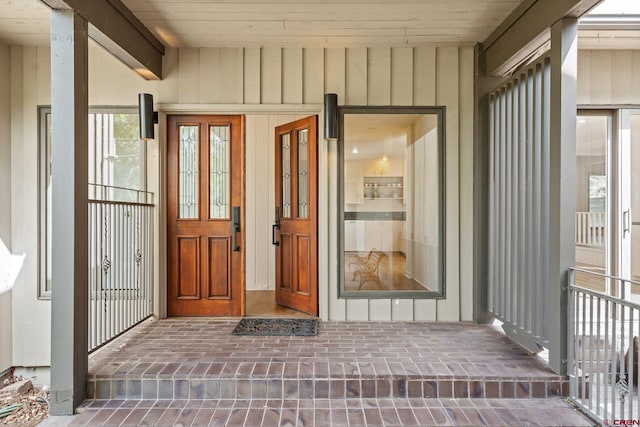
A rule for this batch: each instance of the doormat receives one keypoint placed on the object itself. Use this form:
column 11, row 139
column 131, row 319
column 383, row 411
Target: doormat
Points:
column 277, row 327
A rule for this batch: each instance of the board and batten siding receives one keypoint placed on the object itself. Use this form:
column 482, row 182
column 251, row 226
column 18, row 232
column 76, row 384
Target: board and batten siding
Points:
column 608, row 77
column 360, row 76
column 424, row 76
column 272, row 86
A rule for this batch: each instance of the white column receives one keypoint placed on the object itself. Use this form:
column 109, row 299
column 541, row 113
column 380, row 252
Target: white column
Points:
column 69, row 107
column 562, row 181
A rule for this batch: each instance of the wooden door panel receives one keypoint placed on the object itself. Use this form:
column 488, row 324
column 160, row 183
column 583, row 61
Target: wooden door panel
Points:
column 302, row 257
column 219, row 267
column 205, row 180
column 284, row 266
column 296, row 198
column 189, row 271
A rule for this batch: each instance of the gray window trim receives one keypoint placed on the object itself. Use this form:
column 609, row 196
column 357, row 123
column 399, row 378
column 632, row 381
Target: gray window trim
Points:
column 440, row 111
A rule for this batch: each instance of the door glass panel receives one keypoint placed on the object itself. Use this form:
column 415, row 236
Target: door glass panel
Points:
column 635, row 197
column 392, row 204
column 592, row 190
column 219, row 168
column 189, row 171
column 303, row 173
column 286, row 176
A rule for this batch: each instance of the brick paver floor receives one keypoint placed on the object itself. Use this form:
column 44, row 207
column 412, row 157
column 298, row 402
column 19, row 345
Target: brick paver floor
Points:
column 193, row 372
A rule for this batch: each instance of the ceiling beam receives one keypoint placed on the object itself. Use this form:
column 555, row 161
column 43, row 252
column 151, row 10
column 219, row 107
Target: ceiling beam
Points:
column 117, row 29
column 526, row 31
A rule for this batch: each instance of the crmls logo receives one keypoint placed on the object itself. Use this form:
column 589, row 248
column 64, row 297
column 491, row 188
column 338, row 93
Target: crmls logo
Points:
column 623, row 422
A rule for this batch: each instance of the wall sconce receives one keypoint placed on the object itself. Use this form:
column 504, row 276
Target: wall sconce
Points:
column 148, row 117
column 331, row 116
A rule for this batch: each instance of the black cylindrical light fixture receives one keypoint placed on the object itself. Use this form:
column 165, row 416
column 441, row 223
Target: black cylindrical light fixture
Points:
column 147, row 116
column 331, row 116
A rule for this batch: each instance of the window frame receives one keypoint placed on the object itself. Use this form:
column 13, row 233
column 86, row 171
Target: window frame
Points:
column 44, row 111
column 440, row 111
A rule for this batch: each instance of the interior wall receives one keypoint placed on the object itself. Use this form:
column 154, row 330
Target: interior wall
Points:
column 260, row 198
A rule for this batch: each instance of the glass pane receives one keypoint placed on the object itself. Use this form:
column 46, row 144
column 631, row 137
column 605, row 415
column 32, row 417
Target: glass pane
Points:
column 219, row 168
column 635, row 197
column 303, row 173
column 392, row 203
column 591, row 198
column 49, row 219
column 189, row 171
column 116, row 155
column 286, row 176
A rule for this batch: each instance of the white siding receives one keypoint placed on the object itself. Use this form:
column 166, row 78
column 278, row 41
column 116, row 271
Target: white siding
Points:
column 31, row 317
column 609, row 77
column 5, row 147
column 212, row 80
column 5, row 202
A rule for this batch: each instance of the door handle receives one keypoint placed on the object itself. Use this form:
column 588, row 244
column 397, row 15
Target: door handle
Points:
column 274, row 227
column 236, row 228
column 626, row 216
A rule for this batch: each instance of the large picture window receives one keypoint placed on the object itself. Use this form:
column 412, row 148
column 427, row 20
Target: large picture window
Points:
column 117, row 165
column 391, row 195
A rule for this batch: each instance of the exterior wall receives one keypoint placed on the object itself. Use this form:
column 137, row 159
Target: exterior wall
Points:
column 5, row 145
column 111, row 83
column 609, row 77
column 5, row 203
column 31, row 317
column 380, row 76
column 272, row 86
column 6, row 357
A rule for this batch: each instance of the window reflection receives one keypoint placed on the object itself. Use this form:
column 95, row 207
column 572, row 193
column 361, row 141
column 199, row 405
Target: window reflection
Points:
column 392, row 204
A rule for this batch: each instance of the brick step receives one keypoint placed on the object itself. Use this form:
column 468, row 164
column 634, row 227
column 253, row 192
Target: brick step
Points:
column 334, row 412
column 200, row 358
column 184, row 387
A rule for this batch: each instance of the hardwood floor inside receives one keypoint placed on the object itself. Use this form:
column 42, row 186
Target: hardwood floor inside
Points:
column 263, row 304
column 390, row 275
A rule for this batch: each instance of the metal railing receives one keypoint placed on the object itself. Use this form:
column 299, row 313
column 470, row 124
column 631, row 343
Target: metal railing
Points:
column 120, row 261
column 604, row 325
column 590, row 228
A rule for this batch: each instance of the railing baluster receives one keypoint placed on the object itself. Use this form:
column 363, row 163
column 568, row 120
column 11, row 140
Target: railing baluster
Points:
column 630, row 360
column 591, row 345
column 598, row 378
column 120, row 257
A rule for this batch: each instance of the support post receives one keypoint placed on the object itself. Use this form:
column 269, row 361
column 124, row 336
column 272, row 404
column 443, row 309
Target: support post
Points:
column 69, row 107
column 562, row 184
column 481, row 183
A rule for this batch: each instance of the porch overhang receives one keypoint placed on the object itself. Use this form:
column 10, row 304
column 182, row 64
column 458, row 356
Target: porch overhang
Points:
column 114, row 27
column 527, row 31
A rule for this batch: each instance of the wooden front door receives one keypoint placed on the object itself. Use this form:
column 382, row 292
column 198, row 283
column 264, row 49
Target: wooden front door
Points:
column 205, row 215
column 296, row 228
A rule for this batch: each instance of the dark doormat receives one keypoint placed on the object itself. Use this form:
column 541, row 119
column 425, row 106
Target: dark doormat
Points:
column 279, row 327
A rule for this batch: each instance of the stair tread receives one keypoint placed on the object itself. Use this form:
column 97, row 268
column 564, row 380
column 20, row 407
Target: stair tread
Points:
column 336, row 412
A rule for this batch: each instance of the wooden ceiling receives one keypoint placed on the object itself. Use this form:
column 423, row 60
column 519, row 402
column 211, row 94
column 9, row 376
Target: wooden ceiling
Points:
column 287, row 23
column 320, row 23
column 308, row 23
